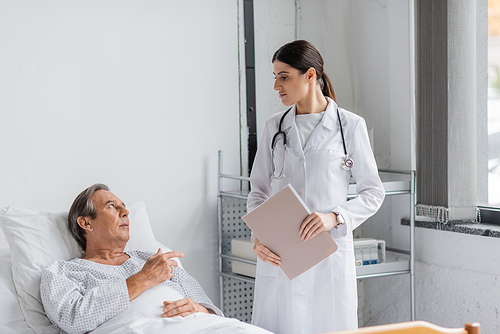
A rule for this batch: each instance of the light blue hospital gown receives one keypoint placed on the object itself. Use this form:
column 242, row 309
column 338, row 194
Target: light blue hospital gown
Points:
column 79, row 295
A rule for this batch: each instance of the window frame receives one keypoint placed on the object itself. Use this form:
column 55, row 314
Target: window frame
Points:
column 489, row 214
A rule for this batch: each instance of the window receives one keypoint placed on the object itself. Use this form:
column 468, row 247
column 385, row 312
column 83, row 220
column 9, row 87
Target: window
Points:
column 494, row 103
column 490, row 212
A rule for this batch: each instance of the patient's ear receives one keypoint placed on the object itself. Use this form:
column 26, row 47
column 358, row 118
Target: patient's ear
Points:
column 85, row 223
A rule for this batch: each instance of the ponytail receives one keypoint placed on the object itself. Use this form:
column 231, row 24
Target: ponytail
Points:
column 326, row 87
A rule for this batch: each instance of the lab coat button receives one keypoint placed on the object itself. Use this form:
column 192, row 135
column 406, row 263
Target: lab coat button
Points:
column 301, row 160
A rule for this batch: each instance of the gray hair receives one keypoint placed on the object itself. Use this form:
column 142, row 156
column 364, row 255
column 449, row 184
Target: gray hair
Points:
column 83, row 206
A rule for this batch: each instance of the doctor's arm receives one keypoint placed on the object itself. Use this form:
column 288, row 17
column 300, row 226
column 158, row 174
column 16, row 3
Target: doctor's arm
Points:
column 260, row 177
column 260, row 180
column 370, row 191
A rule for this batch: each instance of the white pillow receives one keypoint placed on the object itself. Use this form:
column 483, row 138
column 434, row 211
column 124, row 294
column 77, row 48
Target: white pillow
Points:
column 38, row 238
column 12, row 318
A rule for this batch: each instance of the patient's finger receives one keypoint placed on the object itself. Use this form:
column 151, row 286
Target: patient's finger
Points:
column 180, row 310
column 170, row 255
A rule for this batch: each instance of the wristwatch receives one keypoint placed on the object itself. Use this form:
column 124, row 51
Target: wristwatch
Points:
column 340, row 219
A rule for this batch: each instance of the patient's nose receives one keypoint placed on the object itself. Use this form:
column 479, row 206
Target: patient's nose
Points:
column 124, row 212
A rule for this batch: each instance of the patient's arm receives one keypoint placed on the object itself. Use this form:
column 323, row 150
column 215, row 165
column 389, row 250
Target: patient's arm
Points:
column 78, row 308
column 157, row 269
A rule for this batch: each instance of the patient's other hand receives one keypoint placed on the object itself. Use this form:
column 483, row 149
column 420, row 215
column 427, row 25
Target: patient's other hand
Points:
column 157, row 269
column 183, row 307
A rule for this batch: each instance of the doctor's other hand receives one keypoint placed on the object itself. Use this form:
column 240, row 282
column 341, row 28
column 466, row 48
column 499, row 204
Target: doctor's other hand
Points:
column 316, row 223
column 183, row 307
column 265, row 254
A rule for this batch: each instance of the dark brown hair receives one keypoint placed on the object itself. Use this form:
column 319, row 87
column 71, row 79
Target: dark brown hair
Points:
column 83, row 206
column 302, row 55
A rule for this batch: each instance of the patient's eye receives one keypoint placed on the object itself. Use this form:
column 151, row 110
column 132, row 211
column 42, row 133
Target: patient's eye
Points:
column 111, row 206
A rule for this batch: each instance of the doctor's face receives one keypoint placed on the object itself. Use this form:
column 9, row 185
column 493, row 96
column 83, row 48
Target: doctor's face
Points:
column 290, row 83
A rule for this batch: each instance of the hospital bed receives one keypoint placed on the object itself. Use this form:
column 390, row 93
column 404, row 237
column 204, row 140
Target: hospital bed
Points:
column 37, row 238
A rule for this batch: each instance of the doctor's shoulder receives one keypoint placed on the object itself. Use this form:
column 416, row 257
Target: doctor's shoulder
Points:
column 275, row 118
column 272, row 123
column 350, row 120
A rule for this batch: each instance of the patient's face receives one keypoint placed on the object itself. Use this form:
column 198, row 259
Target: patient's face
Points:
column 111, row 224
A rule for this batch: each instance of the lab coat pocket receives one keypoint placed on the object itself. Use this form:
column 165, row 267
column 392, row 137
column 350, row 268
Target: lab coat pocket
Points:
column 343, row 263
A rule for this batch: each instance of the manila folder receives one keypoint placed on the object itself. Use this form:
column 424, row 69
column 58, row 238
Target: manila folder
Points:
column 276, row 223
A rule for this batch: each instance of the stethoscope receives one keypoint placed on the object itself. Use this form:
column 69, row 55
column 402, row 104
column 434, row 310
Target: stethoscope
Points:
column 347, row 161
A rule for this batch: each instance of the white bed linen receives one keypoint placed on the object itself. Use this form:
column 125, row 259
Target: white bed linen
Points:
column 143, row 316
column 11, row 317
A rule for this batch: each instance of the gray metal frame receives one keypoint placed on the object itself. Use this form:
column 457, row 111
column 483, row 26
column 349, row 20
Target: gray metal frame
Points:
column 236, row 291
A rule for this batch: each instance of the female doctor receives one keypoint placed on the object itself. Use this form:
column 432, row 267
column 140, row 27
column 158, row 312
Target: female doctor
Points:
column 316, row 147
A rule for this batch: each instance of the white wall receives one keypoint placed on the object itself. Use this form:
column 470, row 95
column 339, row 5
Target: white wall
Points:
column 137, row 95
column 274, row 26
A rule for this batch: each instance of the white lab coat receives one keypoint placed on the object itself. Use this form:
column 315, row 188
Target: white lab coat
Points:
column 324, row 298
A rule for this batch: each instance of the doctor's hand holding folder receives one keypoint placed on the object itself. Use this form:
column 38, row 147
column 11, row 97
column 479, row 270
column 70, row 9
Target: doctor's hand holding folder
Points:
column 294, row 238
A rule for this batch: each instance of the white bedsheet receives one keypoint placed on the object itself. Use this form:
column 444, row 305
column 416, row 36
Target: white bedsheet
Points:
column 143, row 316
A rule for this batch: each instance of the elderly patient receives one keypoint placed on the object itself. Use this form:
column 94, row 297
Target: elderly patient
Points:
column 81, row 294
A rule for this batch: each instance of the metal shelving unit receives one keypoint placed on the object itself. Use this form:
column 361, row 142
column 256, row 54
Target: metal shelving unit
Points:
column 237, row 290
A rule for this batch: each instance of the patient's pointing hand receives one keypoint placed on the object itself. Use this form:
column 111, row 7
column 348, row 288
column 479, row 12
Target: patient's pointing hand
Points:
column 157, row 269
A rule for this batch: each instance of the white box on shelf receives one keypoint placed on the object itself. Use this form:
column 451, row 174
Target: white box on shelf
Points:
column 368, row 251
column 243, row 248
